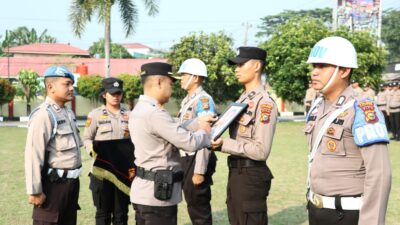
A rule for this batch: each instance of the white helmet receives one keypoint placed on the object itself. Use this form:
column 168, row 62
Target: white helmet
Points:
column 335, row 51
column 193, row 66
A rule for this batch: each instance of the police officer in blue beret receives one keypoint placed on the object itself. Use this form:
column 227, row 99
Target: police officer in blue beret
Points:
column 52, row 155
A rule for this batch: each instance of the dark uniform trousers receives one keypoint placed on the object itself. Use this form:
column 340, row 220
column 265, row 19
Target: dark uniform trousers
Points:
column 321, row 216
column 395, row 124
column 155, row 215
column 387, row 120
column 198, row 197
column 247, row 192
column 61, row 205
column 109, row 200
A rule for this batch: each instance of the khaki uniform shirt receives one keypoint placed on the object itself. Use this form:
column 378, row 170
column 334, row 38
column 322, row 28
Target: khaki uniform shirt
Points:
column 394, row 101
column 157, row 138
column 199, row 103
column 382, row 100
column 342, row 168
column 63, row 144
column 251, row 135
column 358, row 90
column 102, row 125
column 369, row 94
column 311, row 94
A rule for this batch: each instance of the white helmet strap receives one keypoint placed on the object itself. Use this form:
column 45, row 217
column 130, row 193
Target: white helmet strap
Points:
column 330, row 80
column 189, row 81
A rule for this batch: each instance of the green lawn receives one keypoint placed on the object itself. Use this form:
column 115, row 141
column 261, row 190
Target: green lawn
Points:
column 286, row 204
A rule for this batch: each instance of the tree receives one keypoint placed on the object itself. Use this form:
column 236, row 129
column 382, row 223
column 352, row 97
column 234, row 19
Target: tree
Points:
column 7, row 91
column 83, row 10
column 289, row 47
column 391, row 33
column 30, row 85
column 117, row 50
column 132, row 88
column 24, row 36
column 271, row 23
column 214, row 49
column 90, row 87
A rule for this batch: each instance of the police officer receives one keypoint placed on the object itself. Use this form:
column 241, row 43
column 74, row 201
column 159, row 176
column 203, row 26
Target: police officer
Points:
column 108, row 122
column 394, row 110
column 368, row 92
column 311, row 95
column 349, row 175
column 356, row 87
column 156, row 189
column 382, row 103
column 52, row 155
column 198, row 166
column 249, row 143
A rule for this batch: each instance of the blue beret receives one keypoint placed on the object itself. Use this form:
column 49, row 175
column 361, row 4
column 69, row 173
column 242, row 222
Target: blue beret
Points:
column 58, row 71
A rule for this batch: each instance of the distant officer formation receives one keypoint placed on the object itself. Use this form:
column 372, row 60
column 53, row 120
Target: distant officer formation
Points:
column 347, row 128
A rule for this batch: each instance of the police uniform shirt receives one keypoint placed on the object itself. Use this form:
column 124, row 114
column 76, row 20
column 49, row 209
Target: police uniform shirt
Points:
column 394, row 101
column 101, row 124
column 251, row 135
column 157, row 138
column 358, row 90
column 381, row 100
column 369, row 94
column 311, row 94
column 200, row 103
column 63, row 148
column 342, row 168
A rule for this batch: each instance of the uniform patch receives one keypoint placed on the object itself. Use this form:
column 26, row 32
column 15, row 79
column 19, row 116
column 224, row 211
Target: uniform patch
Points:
column 56, row 107
column 369, row 111
column 103, row 117
column 242, row 129
column 186, row 116
column 343, row 114
column 331, row 145
column 126, row 133
column 331, row 131
column 205, row 103
column 266, row 110
column 125, row 117
column 88, row 122
column 251, row 104
column 61, row 122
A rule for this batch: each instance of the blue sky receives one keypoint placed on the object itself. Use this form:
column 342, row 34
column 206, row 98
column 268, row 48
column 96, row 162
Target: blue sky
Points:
column 175, row 19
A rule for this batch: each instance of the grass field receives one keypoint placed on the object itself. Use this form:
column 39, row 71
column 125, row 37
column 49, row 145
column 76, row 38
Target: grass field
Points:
column 286, row 204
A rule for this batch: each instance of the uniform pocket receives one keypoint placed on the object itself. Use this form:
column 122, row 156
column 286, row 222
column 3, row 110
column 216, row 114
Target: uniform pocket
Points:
column 332, row 141
column 105, row 128
column 245, row 126
column 64, row 138
column 255, row 212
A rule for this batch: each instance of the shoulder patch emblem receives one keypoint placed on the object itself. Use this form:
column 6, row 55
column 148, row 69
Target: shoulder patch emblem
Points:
column 205, row 103
column 88, row 122
column 369, row 111
column 266, row 110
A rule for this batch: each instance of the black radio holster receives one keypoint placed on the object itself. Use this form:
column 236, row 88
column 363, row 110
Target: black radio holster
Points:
column 163, row 184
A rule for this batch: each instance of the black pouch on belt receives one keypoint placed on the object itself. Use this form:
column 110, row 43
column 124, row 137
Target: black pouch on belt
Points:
column 163, row 184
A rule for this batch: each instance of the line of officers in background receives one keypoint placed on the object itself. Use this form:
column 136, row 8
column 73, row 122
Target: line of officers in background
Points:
column 387, row 100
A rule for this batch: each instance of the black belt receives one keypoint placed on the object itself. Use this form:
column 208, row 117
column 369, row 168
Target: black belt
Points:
column 398, row 107
column 381, row 104
column 149, row 175
column 244, row 162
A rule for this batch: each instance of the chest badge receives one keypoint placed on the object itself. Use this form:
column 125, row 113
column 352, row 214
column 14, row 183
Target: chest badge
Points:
column 242, row 129
column 331, row 131
column 331, row 145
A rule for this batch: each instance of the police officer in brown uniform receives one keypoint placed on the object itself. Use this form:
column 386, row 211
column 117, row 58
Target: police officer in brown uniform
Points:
column 311, row 95
column 394, row 110
column 356, row 87
column 349, row 176
column 250, row 142
column 368, row 92
column 52, row 155
column 156, row 189
column 382, row 103
column 198, row 166
column 108, row 122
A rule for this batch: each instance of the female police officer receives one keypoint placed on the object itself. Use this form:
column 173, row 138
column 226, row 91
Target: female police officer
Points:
column 108, row 122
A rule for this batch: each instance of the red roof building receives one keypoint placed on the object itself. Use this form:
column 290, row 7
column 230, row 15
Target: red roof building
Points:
column 47, row 50
column 11, row 66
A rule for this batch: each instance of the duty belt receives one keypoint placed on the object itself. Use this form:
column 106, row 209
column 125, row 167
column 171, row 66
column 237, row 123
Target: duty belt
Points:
column 65, row 173
column 381, row 104
column 397, row 107
column 149, row 175
column 346, row 203
column 244, row 162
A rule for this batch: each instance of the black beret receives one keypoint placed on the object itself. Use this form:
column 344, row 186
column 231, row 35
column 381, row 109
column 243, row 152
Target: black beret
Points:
column 157, row 68
column 112, row 85
column 247, row 53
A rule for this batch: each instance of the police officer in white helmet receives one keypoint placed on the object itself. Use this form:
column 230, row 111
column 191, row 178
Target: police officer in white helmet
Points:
column 349, row 176
column 198, row 166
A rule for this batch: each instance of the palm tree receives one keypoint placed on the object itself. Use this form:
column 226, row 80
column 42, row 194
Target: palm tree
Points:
column 24, row 36
column 83, row 10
